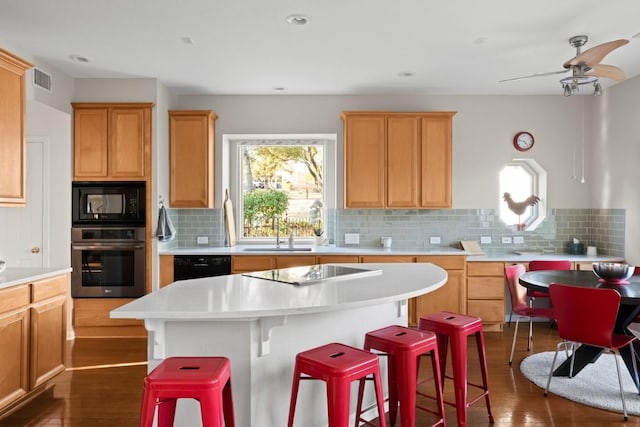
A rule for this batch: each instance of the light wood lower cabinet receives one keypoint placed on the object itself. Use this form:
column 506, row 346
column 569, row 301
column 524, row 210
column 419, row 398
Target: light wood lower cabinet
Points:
column 33, row 318
column 166, row 270
column 449, row 297
column 485, row 293
column 91, row 319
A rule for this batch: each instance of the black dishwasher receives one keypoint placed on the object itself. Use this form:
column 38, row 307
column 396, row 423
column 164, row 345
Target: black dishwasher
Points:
column 197, row 266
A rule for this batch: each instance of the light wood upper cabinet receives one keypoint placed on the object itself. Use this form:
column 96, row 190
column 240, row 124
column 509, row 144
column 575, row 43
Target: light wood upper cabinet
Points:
column 397, row 160
column 112, row 141
column 191, row 157
column 364, row 161
column 12, row 130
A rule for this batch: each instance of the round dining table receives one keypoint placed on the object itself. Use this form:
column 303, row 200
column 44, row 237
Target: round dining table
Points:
column 628, row 311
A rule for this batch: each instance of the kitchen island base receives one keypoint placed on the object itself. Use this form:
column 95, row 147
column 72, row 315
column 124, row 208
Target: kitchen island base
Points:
column 262, row 358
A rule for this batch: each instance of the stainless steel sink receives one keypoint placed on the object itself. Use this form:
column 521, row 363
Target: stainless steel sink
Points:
column 274, row 249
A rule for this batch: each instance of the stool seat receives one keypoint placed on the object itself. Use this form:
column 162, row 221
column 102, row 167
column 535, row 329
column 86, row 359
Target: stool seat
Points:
column 403, row 347
column 206, row 379
column 456, row 327
column 338, row 365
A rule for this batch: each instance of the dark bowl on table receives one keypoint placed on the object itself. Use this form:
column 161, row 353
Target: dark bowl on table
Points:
column 613, row 272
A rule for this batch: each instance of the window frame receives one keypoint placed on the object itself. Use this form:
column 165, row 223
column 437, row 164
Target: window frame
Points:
column 232, row 173
column 538, row 187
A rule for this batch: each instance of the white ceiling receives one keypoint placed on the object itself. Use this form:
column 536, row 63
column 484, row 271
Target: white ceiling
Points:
column 349, row 46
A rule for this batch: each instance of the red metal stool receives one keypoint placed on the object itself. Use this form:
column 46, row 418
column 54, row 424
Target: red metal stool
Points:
column 338, row 365
column 457, row 327
column 403, row 347
column 206, row 379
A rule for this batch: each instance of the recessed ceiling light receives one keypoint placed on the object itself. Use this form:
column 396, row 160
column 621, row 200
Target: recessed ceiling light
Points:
column 298, row 19
column 406, row 74
column 80, row 58
column 279, row 88
column 481, row 40
column 187, row 40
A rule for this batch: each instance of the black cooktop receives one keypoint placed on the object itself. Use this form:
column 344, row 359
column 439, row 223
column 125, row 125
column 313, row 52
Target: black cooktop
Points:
column 312, row 274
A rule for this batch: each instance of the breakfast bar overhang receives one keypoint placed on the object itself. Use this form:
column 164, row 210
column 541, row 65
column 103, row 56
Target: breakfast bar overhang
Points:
column 260, row 325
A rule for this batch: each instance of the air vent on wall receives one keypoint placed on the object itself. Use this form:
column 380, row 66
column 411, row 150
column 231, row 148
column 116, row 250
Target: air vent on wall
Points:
column 42, row 80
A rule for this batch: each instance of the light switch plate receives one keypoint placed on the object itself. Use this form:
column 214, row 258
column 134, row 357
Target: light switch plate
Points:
column 485, row 240
column 435, row 240
column 202, row 240
column 352, row 238
column 506, row 240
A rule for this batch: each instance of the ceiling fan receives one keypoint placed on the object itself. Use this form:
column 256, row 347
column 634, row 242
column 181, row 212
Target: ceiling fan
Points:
column 585, row 67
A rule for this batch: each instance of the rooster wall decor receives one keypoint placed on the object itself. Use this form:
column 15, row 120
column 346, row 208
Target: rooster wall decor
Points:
column 518, row 208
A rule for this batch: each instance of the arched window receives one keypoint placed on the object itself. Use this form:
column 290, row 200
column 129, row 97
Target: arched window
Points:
column 523, row 194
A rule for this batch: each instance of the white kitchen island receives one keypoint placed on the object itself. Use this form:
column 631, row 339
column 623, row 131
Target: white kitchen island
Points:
column 260, row 325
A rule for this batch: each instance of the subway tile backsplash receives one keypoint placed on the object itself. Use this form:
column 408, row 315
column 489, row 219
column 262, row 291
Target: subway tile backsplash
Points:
column 412, row 229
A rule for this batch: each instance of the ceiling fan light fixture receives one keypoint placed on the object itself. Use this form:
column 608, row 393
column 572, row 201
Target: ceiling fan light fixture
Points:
column 597, row 89
column 567, row 90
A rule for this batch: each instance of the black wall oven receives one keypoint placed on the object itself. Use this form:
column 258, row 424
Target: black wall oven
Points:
column 108, row 262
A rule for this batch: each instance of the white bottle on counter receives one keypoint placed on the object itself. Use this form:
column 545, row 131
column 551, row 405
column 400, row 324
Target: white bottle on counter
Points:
column 291, row 241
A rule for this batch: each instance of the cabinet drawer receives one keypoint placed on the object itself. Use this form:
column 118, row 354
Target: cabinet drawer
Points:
column 241, row 264
column 294, row 260
column 487, row 310
column 48, row 288
column 485, row 269
column 337, row 259
column 445, row 261
column 485, row 287
column 14, row 297
column 386, row 258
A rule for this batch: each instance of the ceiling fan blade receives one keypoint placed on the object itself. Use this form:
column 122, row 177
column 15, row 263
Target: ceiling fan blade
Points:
column 533, row 75
column 593, row 56
column 606, row 71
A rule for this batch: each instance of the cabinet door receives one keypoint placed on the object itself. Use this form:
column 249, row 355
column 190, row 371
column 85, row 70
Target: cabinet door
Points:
column 448, row 297
column 166, row 270
column 14, row 344
column 191, row 158
column 12, row 130
column 48, row 332
column 403, row 161
column 129, row 130
column 436, row 160
column 90, row 143
column 364, row 161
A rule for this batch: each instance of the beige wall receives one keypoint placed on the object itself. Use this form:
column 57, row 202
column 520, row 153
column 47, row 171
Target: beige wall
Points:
column 483, row 130
column 616, row 157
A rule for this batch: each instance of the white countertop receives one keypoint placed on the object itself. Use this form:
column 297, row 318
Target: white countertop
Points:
column 502, row 256
column 17, row 275
column 237, row 297
column 310, row 249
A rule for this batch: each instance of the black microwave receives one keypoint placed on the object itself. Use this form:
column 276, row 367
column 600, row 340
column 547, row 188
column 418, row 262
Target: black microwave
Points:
column 108, row 203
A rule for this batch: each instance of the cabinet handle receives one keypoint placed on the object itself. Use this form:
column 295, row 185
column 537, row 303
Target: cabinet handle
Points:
column 35, row 250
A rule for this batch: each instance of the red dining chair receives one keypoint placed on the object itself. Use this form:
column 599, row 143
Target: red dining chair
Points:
column 536, row 265
column 575, row 307
column 519, row 304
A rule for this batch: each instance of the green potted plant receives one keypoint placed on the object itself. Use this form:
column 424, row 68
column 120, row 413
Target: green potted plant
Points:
column 318, row 231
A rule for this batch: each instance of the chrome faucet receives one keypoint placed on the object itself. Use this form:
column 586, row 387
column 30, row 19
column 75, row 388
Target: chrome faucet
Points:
column 275, row 225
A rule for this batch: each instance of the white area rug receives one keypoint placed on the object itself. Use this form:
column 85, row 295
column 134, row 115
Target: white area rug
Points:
column 596, row 385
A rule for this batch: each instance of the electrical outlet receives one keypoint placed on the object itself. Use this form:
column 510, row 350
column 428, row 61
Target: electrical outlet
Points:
column 352, row 238
column 485, row 240
column 518, row 240
column 435, row 240
column 202, row 240
column 506, row 240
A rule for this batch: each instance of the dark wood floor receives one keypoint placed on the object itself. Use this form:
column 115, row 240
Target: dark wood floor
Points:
column 103, row 386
